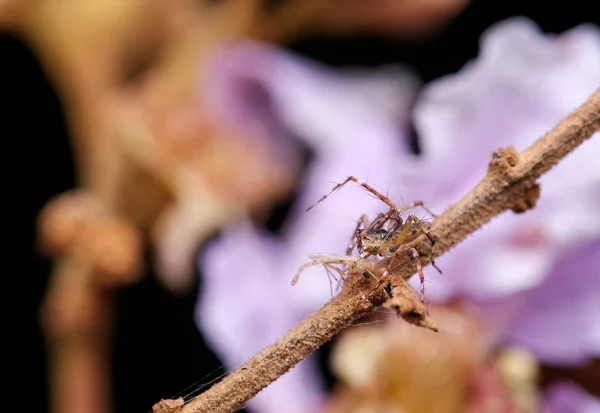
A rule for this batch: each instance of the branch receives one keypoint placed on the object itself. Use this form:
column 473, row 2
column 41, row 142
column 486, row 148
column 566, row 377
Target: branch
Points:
column 509, row 184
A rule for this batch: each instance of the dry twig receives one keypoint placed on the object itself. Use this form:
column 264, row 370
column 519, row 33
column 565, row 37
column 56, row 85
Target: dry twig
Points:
column 509, row 184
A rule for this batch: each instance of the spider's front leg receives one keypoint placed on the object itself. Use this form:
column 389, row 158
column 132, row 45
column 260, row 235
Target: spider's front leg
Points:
column 355, row 241
column 365, row 185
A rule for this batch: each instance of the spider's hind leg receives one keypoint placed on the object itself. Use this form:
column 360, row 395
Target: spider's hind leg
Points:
column 417, row 204
column 430, row 237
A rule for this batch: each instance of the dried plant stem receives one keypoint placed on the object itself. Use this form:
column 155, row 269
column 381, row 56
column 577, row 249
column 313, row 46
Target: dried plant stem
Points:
column 509, row 184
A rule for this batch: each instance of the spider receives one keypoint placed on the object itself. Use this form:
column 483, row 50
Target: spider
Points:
column 372, row 239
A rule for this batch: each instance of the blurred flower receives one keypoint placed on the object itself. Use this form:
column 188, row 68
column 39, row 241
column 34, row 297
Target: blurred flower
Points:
column 214, row 174
column 566, row 397
column 393, row 367
column 521, row 86
column 518, row 268
column 558, row 320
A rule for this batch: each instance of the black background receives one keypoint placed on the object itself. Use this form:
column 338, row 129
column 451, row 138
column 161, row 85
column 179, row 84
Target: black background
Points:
column 158, row 350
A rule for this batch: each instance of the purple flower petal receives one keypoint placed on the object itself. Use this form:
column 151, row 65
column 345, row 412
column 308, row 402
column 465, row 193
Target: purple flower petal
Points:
column 522, row 84
column 245, row 306
column 567, row 397
column 564, row 307
column 254, row 85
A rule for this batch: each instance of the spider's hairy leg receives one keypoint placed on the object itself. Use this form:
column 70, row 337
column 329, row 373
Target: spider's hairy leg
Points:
column 364, row 222
column 359, row 182
column 414, row 205
column 429, row 236
column 405, row 230
column 340, row 272
column 413, row 219
column 329, row 276
column 414, row 255
column 380, row 220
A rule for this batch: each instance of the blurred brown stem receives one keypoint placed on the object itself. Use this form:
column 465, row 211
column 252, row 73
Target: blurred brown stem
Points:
column 77, row 319
column 509, row 184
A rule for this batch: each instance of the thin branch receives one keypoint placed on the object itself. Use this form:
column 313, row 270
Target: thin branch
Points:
column 509, row 184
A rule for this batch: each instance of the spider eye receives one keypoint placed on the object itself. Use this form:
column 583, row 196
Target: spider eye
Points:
column 376, row 249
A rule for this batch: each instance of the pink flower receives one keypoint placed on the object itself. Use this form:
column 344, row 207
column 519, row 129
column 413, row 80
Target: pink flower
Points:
column 535, row 275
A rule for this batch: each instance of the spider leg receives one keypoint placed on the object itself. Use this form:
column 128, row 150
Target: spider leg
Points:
column 380, row 220
column 429, row 236
column 414, row 255
column 356, row 241
column 404, row 232
column 329, row 276
column 395, row 224
column 394, row 250
column 414, row 205
column 340, row 273
column 364, row 221
column 359, row 182
column 421, row 227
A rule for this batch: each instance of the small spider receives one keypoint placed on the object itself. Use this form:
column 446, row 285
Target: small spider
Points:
column 372, row 239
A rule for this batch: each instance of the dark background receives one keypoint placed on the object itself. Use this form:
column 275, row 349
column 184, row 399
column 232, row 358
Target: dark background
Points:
column 158, row 350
